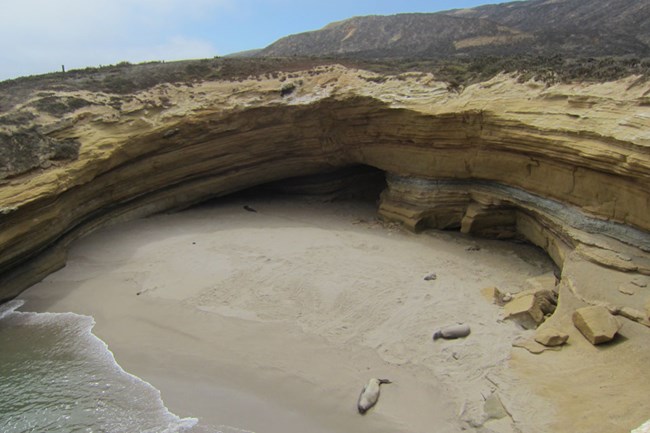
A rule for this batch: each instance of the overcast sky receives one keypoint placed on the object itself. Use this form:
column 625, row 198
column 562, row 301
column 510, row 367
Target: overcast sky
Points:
column 38, row 36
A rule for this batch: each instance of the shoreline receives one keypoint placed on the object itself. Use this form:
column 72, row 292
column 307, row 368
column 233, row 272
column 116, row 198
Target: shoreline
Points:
column 273, row 321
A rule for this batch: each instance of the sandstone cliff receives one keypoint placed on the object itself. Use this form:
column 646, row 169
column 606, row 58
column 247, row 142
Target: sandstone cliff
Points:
column 566, row 167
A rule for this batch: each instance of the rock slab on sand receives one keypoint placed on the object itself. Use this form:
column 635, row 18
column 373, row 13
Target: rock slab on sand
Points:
column 533, row 346
column 596, row 324
column 529, row 308
column 551, row 337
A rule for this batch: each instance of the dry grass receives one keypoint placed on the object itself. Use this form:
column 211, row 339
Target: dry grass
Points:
column 125, row 78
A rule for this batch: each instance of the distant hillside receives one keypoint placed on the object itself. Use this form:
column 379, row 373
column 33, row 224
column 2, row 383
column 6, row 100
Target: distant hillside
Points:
column 403, row 35
column 244, row 54
column 606, row 27
column 546, row 27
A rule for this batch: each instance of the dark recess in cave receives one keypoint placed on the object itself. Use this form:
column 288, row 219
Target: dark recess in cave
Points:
column 357, row 182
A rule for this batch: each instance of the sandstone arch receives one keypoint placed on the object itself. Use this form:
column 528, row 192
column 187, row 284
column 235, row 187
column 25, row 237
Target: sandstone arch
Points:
column 488, row 161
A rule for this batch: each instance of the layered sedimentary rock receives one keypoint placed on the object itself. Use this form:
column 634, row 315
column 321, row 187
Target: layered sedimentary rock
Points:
column 566, row 167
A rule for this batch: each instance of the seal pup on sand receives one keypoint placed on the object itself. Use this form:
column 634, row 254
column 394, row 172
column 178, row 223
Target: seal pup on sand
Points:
column 370, row 394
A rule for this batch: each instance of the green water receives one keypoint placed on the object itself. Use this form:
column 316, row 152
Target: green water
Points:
column 56, row 376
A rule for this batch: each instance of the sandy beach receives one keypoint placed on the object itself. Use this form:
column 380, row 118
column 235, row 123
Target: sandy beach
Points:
column 272, row 321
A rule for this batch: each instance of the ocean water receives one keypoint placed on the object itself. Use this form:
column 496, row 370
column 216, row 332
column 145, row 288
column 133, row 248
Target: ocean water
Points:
column 57, row 377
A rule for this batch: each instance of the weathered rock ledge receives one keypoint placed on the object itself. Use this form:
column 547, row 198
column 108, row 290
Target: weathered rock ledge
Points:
column 566, row 167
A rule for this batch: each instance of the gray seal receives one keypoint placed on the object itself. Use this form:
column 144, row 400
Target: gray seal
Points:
column 452, row 332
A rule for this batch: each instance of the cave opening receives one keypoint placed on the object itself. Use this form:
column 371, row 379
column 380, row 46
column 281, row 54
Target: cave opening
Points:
column 356, row 182
column 370, row 186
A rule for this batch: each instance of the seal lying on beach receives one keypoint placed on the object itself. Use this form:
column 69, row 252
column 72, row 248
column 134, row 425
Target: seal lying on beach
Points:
column 451, row 332
column 370, row 394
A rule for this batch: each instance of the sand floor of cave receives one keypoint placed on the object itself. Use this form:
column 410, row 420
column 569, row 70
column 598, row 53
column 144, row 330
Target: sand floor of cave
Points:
column 272, row 321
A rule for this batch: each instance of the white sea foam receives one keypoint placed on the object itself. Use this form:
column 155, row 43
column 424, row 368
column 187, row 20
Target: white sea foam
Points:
column 645, row 428
column 9, row 307
column 58, row 376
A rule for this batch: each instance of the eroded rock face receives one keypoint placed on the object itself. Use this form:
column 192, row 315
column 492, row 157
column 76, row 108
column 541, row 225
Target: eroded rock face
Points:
column 565, row 167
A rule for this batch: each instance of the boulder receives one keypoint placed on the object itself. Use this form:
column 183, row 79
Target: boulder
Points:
column 546, row 300
column 529, row 308
column 596, row 323
column 522, row 309
column 551, row 337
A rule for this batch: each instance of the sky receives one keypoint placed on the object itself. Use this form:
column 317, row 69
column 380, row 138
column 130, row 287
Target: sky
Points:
column 38, row 36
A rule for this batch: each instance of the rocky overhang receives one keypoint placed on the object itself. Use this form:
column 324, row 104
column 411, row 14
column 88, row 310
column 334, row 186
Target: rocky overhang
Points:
column 565, row 166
